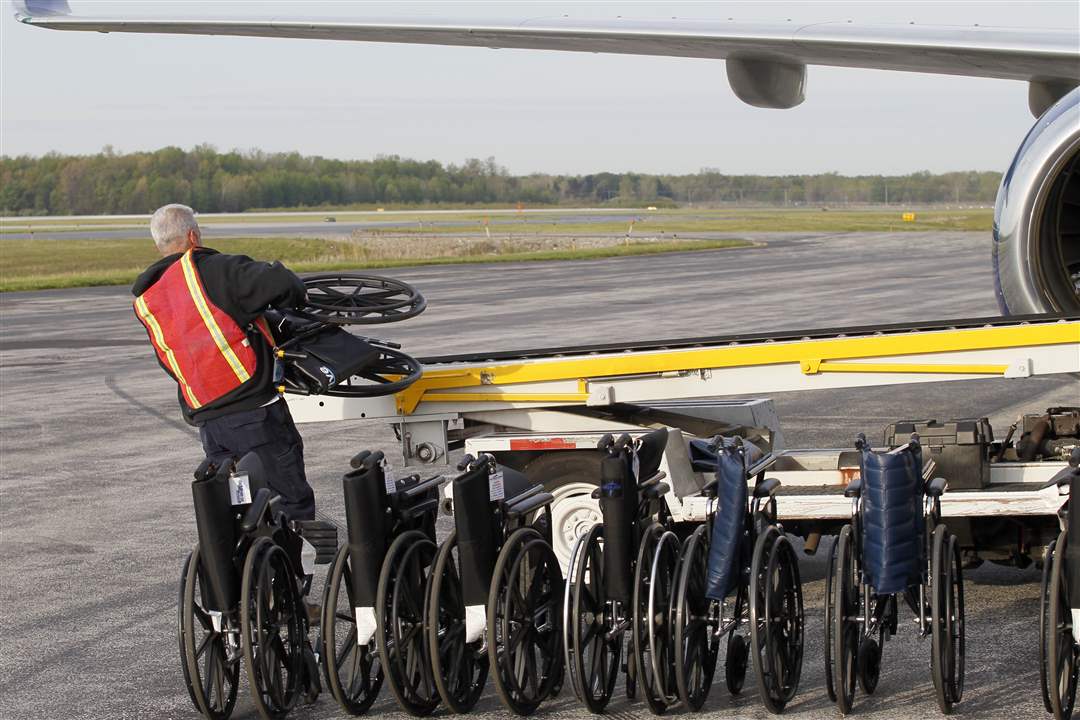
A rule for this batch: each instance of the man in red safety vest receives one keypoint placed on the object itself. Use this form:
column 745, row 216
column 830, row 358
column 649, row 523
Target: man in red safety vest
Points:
column 202, row 311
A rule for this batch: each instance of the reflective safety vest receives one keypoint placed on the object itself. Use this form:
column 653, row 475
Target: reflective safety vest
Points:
column 206, row 351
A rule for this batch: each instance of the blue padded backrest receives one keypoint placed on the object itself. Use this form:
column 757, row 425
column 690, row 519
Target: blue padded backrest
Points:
column 892, row 519
column 727, row 526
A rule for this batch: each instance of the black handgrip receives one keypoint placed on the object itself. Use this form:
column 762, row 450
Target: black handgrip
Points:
column 860, row 442
column 605, row 442
column 465, row 462
column 255, row 512
column 358, row 459
column 206, row 469
column 373, row 459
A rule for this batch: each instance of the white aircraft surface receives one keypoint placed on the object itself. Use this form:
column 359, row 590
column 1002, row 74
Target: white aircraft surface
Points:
column 1036, row 247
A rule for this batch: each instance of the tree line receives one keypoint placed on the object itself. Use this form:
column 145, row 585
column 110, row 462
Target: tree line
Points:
column 212, row 181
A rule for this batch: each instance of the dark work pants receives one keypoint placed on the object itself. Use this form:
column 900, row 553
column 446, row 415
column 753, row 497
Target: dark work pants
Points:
column 269, row 432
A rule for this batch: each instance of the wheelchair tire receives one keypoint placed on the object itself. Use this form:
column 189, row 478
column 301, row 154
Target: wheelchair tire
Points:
column 830, row 687
column 845, row 629
column 400, row 609
column 776, row 619
column 271, row 630
column 211, row 678
column 1062, row 665
column 868, row 661
column 1044, row 625
column 357, row 299
column 524, row 629
column 947, row 620
column 391, row 373
column 353, row 673
column 597, row 650
column 458, row 668
column 697, row 620
column 651, row 636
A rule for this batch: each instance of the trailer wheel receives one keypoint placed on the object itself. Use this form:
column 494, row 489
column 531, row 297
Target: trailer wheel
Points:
column 571, row 477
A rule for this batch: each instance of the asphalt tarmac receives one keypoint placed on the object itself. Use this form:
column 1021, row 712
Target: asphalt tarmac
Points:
column 95, row 511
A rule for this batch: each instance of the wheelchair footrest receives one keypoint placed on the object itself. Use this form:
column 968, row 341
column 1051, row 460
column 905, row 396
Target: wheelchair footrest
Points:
column 322, row 534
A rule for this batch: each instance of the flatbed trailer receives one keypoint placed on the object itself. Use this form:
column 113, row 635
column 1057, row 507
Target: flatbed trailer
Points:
column 542, row 411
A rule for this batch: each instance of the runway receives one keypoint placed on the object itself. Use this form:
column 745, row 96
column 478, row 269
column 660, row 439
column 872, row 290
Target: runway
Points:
column 95, row 461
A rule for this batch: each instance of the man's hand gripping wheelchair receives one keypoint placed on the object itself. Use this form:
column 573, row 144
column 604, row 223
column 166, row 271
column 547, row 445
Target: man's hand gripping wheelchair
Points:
column 492, row 603
column 895, row 545
column 373, row 601
column 1059, row 655
column 608, row 582
column 241, row 595
column 737, row 578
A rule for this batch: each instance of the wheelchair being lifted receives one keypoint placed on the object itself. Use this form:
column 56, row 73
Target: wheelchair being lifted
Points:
column 1059, row 606
column 894, row 546
column 607, row 589
column 493, row 597
column 373, row 598
column 241, row 595
column 737, row 578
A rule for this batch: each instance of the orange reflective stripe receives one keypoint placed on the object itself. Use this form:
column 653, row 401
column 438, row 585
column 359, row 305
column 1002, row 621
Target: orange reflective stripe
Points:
column 158, row 338
column 201, row 304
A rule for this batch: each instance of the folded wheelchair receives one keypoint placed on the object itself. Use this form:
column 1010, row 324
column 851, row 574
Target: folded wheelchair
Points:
column 736, row 579
column 895, row 546
column 608, row 583
column 493, row 596
column 242, row 593
column 373, row 598
column 1059, row 605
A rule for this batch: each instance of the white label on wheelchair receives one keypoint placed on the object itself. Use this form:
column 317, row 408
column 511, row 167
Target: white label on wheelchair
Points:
column 388, row 479
column 475, row 622
column 365, row 625
column 239, row 489
column 496, row 491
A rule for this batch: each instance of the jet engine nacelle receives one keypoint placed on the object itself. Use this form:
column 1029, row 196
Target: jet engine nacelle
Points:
column 1037, row 217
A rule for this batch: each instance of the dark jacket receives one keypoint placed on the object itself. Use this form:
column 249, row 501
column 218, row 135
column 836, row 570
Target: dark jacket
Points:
column 243, row 288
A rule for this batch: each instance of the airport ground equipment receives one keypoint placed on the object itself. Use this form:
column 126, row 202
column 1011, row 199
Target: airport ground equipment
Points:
column 1059, row 603
column 242, row 595
column 607, row 573
column 372, row 610
column 317, row 356
column 737, row 580
column 894, row 548
column 493, row 601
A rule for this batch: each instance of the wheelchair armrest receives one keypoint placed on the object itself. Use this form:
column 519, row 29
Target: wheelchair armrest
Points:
column 424, row 486
column 653, row 480
column 935, row 487
column 655, row 490
column 524, row 495
column 256, row 511
column 420, row 509
column 854, row 488
column 766, row 488
column 528, row 504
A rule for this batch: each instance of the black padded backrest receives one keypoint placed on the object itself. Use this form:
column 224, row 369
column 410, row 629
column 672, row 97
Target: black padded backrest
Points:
column 650, row 452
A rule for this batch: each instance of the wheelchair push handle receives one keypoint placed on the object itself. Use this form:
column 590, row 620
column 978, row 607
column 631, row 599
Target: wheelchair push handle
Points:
column 1066, row 474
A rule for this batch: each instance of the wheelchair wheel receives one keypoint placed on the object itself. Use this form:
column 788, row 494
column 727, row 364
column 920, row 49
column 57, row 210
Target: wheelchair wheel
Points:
column 352, row 671
column 868, row 664
column 271, row 629
column 776, row 619
column 697, row 620
column 400, row 608
column 392, row 372
column 1044, row 625
column 1061, row 659
column 211, row 676
column 457, row 666
column 525, row 623
column 652, row 639
column 843, row 613
column 354, row 299
column 830, row 687
column 947, row 620
column 597, row 648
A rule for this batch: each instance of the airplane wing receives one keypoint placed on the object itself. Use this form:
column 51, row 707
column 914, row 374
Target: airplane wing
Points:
column 766, row 63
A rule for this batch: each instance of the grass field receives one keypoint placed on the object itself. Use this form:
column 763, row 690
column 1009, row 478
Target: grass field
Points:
column 32, row 264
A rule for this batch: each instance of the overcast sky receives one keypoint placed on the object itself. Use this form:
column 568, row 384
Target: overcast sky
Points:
column 531, row 110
